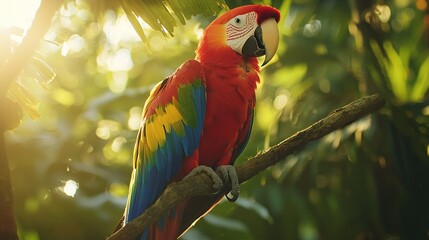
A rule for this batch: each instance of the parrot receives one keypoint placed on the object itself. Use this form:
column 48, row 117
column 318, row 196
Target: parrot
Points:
column 199, row 119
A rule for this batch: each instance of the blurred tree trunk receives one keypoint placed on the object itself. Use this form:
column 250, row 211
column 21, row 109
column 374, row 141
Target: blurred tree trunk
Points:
column 7, row 221
column 10, row 68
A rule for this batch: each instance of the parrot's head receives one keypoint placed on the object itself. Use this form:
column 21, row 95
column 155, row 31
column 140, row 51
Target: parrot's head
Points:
column 243, row 32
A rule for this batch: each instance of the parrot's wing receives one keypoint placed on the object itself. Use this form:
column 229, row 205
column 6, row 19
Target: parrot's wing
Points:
column 243, row 136
column 171, row 128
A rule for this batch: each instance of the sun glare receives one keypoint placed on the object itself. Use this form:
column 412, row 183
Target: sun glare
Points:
column 70, row 188
column 17, row 13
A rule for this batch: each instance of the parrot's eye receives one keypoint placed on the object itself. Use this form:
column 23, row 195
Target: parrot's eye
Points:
column 239, row 21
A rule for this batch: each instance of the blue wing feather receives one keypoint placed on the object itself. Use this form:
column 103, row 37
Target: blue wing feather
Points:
column 157, row 164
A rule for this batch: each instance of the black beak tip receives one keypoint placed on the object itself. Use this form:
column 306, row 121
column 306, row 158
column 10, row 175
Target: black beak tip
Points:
column 264, row 63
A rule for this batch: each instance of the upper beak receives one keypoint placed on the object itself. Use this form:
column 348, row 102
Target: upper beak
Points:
column 264, row 41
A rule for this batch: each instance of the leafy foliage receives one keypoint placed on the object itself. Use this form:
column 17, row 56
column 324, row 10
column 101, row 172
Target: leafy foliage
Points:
column 37, row 70
column 367, row 181
column 158, row 16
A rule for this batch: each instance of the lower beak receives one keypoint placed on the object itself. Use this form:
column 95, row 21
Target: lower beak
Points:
column 264, row 41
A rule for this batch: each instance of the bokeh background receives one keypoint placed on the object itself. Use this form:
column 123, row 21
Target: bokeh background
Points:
column 70, row 167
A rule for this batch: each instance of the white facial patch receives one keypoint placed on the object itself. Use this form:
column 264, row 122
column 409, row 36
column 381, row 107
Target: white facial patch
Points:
column 239, row 29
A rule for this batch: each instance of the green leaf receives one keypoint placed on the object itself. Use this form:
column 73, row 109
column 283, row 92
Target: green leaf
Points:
column 43, row 73
column 422, row 82
column 393, row 68
column 397, row 71
column 256, row 207
column 225, row 223
column 26, row 100
column 163, row 16
column 134, row 21
column 284, row 10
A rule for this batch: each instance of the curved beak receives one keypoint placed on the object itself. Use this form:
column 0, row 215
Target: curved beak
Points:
column 270, row 38
column 264, row 41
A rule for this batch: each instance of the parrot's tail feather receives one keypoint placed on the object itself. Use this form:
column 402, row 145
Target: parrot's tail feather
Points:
column 167, row 228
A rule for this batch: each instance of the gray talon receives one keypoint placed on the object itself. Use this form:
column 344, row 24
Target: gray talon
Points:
column 217, row 182
column 224, row 172
column 228, row 174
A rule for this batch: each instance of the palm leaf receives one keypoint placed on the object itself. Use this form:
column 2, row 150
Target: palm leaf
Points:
column 37, row 69
column 164, row 16
column 20, row 94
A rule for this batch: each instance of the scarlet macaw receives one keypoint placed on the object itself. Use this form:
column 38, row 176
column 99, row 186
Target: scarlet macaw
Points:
column 200, row 118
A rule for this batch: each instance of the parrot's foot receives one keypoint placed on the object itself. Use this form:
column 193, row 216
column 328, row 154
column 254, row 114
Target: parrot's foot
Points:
column 217, row 182
column 229, row 174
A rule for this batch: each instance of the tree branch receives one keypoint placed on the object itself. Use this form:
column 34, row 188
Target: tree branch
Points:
column 201, row 184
